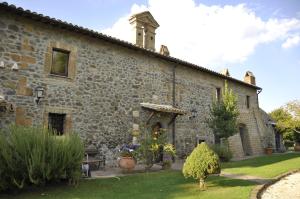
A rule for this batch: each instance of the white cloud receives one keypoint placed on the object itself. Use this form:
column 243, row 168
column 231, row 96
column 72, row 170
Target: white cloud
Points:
column 207, row 35
column 291, row 42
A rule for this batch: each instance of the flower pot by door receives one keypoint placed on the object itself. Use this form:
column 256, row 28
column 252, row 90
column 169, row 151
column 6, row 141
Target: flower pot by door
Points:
column 268, row 151
column 127, row 163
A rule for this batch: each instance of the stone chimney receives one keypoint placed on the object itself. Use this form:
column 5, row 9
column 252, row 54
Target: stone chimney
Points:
column 164, row 50
column 249, row 78
column 225, row 72
column 144, row 26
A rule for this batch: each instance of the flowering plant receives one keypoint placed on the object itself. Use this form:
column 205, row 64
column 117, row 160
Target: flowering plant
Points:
column 128, row 150
column 170, row 150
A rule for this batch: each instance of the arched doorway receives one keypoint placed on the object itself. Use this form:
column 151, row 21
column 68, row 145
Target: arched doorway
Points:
column 156, row 133
column 243, row 131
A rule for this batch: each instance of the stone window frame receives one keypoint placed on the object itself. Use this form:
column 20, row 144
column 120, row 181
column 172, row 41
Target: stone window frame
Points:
column 55, row 45
column 66, row 67
column 58, row 110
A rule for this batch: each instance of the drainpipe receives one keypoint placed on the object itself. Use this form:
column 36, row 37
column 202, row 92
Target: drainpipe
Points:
column 174, row 102
column 258, row 91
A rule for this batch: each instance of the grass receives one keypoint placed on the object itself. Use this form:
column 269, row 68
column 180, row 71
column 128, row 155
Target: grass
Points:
column 170, row 184
column 265, row 166
column 159, row 185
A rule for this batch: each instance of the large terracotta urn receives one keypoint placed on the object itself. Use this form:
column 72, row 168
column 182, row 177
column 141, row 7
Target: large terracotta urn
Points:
column 297, row 147
column 127, row 163
column 269, row 151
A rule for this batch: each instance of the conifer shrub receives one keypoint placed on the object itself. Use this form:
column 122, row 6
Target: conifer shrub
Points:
column 200, row 163
column 35, row 156
column 223, row 115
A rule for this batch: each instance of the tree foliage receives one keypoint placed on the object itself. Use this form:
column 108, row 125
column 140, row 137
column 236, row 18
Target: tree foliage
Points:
column 284, row 120
column 200, row 163
column 293, row 107
column 223, row 115
column 287, row 120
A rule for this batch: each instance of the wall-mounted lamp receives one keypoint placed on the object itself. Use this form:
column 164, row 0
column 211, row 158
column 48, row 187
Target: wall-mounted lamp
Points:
column 39, row 93
column 193, row 114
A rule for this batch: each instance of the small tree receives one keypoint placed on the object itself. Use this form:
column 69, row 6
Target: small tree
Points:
column 223, row 115
column 200, row 163
column 287, row 122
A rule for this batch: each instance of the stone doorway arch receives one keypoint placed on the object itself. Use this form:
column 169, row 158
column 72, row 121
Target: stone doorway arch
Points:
column 244, row 134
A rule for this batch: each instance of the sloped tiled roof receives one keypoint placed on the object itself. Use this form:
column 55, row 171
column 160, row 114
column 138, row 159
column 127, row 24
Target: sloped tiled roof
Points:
column 163, row 108
column 81, row 30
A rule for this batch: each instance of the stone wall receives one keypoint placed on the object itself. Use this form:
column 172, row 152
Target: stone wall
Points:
column 101, row 98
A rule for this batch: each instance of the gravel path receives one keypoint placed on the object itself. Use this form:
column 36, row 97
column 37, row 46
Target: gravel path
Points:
column 256, row 179
column 288, row 187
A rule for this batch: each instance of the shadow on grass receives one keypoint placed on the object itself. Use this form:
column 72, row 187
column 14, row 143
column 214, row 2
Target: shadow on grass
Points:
column 228, row 182
column 261, row 161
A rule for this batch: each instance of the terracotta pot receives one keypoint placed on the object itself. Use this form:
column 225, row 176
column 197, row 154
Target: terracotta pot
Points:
column 268, row 151
column 127, row 163
column 297, row 147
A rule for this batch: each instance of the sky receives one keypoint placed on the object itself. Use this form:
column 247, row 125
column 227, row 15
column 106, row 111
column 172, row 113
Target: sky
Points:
column 260, row 36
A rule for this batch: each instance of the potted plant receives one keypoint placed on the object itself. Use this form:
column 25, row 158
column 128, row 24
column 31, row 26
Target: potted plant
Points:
column 127, row 161
column 269, row 149
column 268, row 144
column 168, row 155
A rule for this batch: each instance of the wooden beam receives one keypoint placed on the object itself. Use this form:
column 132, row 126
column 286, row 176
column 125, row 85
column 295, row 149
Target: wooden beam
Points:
column 173, row 118
column 150, row 117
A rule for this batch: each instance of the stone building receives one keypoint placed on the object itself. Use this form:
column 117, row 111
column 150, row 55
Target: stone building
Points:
column 75, row 79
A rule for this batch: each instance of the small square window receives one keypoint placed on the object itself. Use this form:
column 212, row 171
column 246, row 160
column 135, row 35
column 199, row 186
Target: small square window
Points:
column 60, row 60
column 56, row 122
column 248, row 101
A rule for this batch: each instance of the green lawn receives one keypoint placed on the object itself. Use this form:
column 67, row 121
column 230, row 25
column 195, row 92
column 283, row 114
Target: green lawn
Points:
column 170, row 184
column 167, row 184
column 265, row 166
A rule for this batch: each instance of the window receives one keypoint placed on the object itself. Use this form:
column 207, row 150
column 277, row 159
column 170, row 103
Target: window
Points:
column 56, row 122
column 218, row 94
column 60, row 60
column 248, row 101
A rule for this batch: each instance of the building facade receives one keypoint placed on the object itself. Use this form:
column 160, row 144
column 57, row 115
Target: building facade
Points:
column 77, row 80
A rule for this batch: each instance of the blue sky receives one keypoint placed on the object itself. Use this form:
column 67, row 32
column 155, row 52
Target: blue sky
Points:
column 260, row 36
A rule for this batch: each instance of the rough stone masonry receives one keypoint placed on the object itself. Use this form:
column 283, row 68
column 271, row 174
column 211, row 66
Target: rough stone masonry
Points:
column 107, row 81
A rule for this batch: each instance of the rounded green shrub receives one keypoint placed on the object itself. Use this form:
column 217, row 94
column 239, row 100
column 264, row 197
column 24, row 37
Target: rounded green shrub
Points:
column 200, row 163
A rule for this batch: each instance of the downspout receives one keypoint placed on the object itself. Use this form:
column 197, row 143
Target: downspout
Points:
column 258, row 92
column 256, row 121
column 174, row 103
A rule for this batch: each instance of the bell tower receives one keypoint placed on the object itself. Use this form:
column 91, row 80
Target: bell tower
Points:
column 144, row 26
